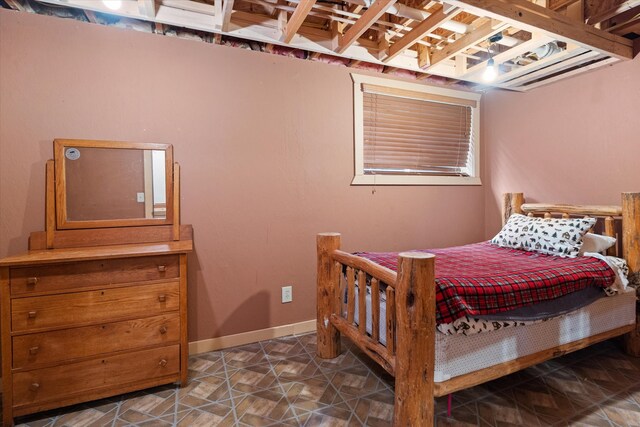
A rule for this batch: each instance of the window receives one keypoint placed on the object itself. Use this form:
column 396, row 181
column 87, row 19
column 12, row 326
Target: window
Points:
column 412, row 134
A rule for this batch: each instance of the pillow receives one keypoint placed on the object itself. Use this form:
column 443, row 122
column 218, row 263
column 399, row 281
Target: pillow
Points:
column 553, row 236
column 596, row 243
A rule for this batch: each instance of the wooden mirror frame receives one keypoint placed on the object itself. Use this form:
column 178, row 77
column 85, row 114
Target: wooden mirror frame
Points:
column 62, row 223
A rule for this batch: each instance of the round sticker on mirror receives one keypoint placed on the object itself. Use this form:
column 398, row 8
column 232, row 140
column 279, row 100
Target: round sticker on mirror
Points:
column 72, row 153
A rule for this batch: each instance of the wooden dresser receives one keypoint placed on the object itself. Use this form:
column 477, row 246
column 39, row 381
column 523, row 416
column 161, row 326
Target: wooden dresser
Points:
column 94, row 312
column 83, row 324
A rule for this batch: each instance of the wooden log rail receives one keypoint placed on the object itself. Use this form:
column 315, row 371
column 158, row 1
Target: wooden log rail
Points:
column 362, row 271
column 409, row 354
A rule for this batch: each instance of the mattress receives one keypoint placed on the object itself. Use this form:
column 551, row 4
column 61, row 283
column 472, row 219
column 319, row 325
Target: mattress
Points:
column 458, row 354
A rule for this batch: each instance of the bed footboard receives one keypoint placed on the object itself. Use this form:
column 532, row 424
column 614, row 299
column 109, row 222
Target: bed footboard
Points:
column 409, row 354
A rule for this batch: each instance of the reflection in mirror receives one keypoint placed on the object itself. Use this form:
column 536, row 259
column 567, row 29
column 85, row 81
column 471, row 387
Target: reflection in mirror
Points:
column 109, row 184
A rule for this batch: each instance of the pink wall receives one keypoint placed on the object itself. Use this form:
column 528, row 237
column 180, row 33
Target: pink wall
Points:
column 266, row 149
column 575, row 141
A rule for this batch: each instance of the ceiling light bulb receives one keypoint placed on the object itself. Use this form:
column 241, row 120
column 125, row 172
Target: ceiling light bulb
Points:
column 491, row 72
column 113, row 4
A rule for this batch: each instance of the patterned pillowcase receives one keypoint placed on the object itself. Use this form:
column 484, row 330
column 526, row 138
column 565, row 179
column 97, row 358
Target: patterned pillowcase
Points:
column 553, row 236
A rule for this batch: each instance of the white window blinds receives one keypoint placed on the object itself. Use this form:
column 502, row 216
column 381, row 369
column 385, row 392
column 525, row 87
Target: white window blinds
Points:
column 414, row 133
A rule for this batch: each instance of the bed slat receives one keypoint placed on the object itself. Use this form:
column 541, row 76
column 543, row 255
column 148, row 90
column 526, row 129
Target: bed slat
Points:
column 609, row 230
column 391, row 320
column 362, row 302
column 384, row 274
column 351, row 294
column 375, row 309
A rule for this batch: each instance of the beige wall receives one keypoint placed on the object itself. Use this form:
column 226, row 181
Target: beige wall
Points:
column 576, row 141
column 266, row 149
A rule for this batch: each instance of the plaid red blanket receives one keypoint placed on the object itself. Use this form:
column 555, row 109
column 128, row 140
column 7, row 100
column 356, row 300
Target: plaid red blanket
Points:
column 482, row 278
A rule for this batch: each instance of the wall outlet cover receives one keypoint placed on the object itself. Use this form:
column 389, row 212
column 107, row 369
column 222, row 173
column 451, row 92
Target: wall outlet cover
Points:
column 287, row 294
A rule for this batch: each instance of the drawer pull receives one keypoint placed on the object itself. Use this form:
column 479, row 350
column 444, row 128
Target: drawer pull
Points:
column 163, row 363
column 34, row 350
column 32, row 315
column 163, row 329
column 34, row 387
column 162, row 297
column 32, row 281
column 162, row 268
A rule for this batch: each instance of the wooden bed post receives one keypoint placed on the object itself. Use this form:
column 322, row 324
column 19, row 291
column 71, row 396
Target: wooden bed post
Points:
column 511, row 203
column 415, row 328
column 328, row 295
column 631, row 253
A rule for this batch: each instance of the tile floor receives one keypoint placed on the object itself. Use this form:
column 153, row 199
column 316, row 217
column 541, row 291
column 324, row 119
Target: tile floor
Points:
column 281, row 382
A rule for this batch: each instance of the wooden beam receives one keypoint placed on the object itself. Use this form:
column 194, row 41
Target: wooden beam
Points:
column 367, row 19
column 217, row 7
column 282, row 21
column 632, row 26
column 484, row 31
column 559, row 4
column 91, row 16
column 354, row 8
column 159, row 28
column 227, row 8
column 424, row 56
column 533, row 18
column 147, row 8
column 298, row 17
column 15, row 4
column 603, row 16
column 420, row 31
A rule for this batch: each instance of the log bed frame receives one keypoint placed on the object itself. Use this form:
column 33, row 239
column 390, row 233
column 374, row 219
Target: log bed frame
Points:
column 410, row 351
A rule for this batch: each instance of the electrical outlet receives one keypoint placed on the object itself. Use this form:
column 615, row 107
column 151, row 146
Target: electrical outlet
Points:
column 287, row 294
column 140, row 197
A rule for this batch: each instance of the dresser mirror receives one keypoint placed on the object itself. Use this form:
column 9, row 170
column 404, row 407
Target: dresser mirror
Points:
column 112, row 184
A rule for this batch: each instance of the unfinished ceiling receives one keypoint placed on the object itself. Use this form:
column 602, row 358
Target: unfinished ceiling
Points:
column 448, row 42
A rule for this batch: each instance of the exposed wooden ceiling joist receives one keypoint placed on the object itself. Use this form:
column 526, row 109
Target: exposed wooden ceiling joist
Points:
column 147, row 8
column 534, row 18
column 295, row 22
column 614, row 11
column 225, row 19
column 414, row 35
column 367, row 19
column 419, row 31
column 15, row 4
column 484, row 31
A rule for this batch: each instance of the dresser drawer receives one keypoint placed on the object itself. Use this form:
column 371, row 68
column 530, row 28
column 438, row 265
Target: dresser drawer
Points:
column 47, row 278
column 88, row 341
column 58, row 382
column 105, row 305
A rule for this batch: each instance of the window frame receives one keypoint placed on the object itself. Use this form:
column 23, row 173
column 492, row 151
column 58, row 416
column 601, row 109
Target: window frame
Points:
column 389, row 179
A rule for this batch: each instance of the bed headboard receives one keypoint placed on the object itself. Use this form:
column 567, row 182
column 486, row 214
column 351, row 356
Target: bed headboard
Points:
column 628, row 213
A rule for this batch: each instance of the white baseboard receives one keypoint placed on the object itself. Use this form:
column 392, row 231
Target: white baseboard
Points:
column 227, row 341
